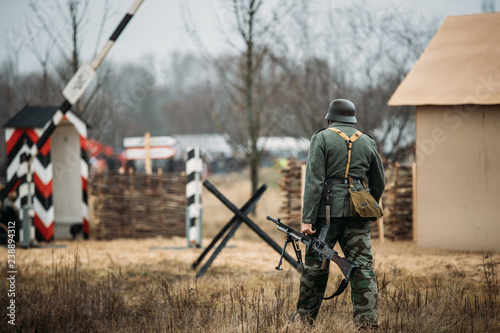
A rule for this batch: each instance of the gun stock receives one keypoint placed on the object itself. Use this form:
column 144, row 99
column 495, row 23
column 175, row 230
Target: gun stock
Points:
column 348, row 268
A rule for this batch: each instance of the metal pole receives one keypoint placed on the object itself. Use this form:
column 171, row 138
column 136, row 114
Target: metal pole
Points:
column 219, row 248
column 26, row 224
column 247, row 207
column 194, row 167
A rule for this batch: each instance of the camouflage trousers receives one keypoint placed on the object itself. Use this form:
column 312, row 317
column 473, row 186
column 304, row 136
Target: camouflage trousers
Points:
column 354, row 239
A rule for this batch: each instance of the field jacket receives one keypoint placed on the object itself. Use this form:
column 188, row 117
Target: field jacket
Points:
column 327, row 158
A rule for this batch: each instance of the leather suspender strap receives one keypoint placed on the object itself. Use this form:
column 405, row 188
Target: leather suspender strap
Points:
column 349, row 141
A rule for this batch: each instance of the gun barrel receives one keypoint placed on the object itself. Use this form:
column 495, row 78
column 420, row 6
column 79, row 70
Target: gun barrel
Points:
column 272, row 219
column 288, row 230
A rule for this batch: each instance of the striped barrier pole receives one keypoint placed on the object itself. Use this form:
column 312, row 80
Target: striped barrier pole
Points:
column 194, row 166
column 72, row 92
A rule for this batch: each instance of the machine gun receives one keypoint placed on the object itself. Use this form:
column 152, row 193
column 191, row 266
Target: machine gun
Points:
column 320, row 245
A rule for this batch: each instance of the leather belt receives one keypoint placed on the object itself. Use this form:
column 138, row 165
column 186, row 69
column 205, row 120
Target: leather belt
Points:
column 337, row 181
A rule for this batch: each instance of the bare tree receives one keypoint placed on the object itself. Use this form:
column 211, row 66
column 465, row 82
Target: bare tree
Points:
column 10, row 73
column 66, row 37
column 72, row 14
column 360, row 53
column 242, row 75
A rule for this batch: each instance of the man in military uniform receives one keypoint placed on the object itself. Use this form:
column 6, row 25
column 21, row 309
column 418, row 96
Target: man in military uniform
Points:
column 327, row 159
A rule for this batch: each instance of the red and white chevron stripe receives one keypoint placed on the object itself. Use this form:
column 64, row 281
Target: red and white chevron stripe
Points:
column 20, row 141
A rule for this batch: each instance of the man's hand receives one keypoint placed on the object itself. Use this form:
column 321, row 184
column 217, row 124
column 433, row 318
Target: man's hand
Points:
column 307, row 229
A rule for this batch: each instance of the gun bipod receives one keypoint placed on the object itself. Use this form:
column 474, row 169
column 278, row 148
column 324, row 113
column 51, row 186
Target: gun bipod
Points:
column 296, row 248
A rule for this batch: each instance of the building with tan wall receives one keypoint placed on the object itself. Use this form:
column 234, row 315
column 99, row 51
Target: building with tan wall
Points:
column 455, row 86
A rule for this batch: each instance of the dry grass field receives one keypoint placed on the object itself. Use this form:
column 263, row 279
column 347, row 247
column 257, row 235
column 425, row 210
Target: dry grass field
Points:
column 147, row 285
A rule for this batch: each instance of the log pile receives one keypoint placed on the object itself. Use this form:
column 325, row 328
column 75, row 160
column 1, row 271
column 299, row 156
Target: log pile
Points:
column 290, row 186
column 138, row 205
column 398, row 203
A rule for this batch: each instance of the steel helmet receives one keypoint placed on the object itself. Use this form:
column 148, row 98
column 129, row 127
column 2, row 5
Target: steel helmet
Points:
column 341, row 110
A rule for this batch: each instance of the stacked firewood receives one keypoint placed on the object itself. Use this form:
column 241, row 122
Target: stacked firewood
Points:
column 138, row 205
column 398, row 203
column 290, row 186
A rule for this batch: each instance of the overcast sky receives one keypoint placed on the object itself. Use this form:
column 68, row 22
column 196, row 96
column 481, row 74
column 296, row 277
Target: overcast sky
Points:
column 157, row 28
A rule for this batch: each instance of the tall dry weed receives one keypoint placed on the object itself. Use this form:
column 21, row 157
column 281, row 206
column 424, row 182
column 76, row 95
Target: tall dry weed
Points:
column 167, row 298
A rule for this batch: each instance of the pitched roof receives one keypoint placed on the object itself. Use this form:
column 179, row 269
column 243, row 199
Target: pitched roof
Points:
column 33, row 117
column 461, row 65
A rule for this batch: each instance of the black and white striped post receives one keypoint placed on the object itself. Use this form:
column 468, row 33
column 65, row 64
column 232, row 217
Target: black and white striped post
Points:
column 72, row 92
column 194, row 166
column 26, row 190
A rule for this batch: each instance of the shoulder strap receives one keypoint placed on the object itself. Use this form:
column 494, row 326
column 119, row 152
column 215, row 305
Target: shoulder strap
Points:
column 355, row 136
column 349, row 141
column 339, row 132
column 344, row 136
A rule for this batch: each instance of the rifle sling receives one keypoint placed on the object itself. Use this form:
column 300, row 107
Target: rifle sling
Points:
column 340, row 289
